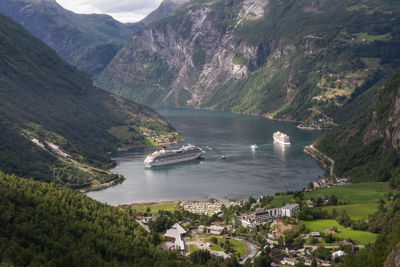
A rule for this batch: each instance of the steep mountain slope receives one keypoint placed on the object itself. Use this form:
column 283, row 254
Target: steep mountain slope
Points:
column 367, row 148
column 88, row 42
column 55, row 125
column 47, row 225
column 293, row 60
column 166, row 8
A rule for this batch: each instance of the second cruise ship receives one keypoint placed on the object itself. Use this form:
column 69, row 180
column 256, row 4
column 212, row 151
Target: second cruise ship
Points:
column 165, row 157
column 281, row 138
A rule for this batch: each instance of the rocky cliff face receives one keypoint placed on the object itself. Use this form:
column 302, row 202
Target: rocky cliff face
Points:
column 88, row 42
column 197, row 56
column 292, row 60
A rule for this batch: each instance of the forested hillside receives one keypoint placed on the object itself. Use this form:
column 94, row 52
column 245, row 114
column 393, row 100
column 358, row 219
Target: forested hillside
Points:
column 367, row 147
column 88, row 42
column 47, row 225
column 293, row 60
column 55, row 125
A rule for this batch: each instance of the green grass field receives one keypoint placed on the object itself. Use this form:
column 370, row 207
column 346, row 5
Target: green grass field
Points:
column 353, row 193
column 193, row 248
column 281, row 200
column 362, row 237
column 155, row 207
column 355, row 211
column 240, row 248
column 361, row 199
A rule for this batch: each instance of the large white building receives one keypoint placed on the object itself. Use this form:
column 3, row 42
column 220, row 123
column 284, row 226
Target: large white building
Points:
column 176, row 234
column 290, row 209
column 260, row 216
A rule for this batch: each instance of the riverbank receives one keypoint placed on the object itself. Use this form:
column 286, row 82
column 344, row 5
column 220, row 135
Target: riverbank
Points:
column 152, row 207
column 326, row 162
column 95, row 187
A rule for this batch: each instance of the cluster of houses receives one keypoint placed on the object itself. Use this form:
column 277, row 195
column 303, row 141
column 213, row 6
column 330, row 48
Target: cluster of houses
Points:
column 261, row 216
column 159, row 138
column 323, row 182
column 202, row 207
column 293, row 256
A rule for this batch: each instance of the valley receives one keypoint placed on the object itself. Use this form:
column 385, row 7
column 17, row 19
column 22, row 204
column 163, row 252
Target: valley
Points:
column 223, row 75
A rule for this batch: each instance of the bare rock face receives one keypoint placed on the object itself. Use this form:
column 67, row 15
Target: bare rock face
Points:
column 393, row 258
column 199, row 56
column 386, row 116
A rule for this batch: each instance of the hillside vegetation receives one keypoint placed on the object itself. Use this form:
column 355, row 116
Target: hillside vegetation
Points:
column 293, row 60
column 55, row 126
column 88, row 42
column 44, row 224
column 367, row 147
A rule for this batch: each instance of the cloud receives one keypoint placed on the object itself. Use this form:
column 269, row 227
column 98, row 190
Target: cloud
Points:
column 122, row 10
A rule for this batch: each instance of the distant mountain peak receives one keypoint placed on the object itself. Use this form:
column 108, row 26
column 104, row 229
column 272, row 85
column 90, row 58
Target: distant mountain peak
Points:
column 164, row 9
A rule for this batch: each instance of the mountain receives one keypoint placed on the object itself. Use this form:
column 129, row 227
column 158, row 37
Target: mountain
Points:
column 54, row 124
column 88, row 42
column 368, row 147
column 47, row 225
column 165, row 8
column 293, row 60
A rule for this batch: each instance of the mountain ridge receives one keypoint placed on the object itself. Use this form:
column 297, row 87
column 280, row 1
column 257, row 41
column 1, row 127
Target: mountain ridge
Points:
column 245, row 57
column 86, row 41
column 56, row 126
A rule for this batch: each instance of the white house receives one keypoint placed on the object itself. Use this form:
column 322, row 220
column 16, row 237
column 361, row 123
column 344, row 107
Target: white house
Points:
column 289, row 261
column 315, row 234
column 339, row 253
column 290, row 209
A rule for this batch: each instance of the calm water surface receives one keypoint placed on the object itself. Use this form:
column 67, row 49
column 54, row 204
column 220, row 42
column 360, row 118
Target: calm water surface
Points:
column 243, row 173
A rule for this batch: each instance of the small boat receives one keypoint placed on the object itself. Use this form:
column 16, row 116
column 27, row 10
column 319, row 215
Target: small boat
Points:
column 254, row 147
column 223, row 157
column 209, row 148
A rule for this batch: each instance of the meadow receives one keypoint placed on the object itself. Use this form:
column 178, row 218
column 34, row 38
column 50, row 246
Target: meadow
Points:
column 358, row 200
column 156, row 207
column 363, row 237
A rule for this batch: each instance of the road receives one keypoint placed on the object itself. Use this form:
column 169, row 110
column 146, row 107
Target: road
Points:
column 325, row 156
column 144, row 226
column 253, row 250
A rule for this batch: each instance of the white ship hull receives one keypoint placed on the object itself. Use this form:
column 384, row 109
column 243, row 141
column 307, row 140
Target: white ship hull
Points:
column 281, row 142
column 163, row 162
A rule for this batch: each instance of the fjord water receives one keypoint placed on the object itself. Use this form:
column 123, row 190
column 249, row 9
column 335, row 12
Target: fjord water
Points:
column 243, row 172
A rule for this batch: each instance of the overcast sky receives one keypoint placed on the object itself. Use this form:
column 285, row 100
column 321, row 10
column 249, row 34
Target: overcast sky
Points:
column 122, row 10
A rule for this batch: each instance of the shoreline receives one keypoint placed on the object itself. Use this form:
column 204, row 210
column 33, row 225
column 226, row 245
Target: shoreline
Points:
column 147, row 203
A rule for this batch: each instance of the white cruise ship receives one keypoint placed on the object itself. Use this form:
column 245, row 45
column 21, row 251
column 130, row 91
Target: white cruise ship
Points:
column 165, row 157
column 281, row 138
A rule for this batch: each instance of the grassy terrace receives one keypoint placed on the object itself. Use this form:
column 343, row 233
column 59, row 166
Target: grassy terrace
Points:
column 240, row 248
column 156, row 207
column 360, row 200
column 362, row 237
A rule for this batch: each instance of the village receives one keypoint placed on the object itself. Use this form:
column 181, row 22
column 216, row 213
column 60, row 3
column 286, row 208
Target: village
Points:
column 255, row 228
